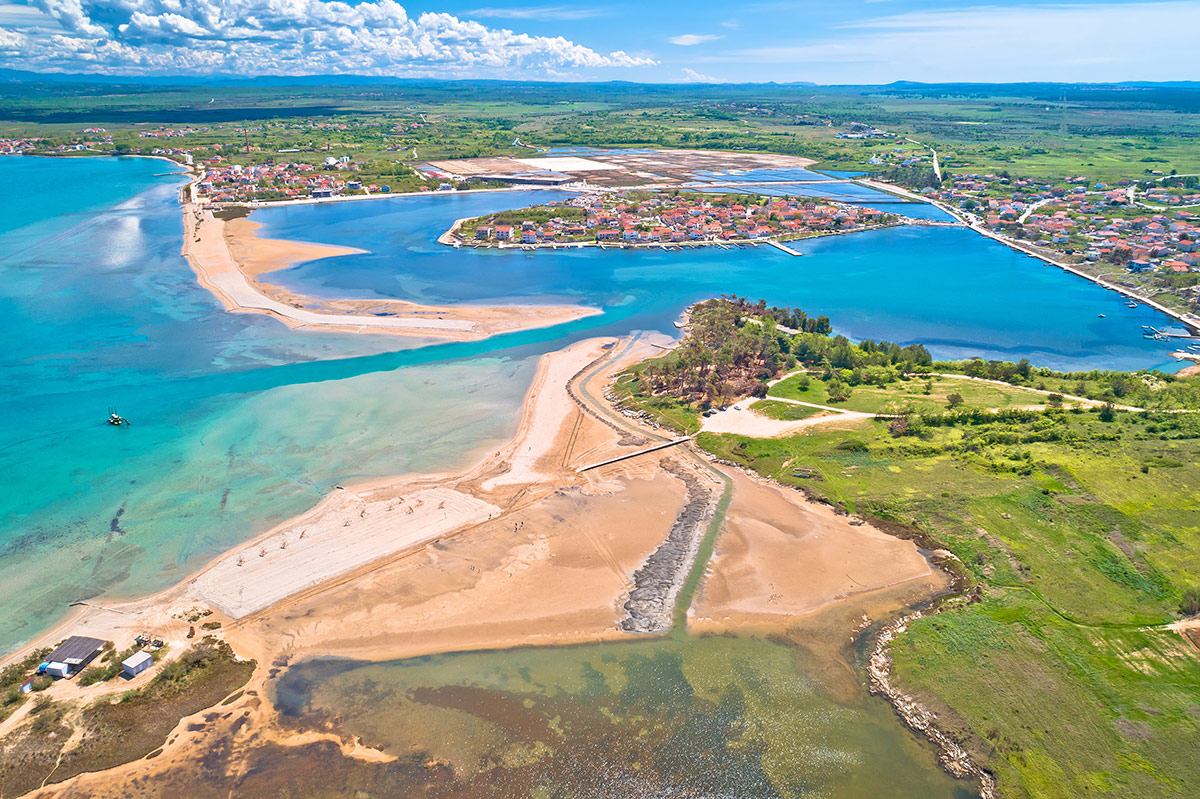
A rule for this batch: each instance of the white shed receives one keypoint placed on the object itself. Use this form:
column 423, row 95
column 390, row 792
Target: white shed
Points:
column 56, row 669
column 136, row 663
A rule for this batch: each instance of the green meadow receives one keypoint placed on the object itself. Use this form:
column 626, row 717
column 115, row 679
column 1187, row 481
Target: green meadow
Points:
column 922, row 394
column 1081, row 539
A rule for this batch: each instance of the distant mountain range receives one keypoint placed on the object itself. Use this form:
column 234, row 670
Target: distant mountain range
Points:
column 22, row 76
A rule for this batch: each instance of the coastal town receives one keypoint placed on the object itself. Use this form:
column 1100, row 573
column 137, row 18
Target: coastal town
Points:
column 1145, row 234
column 643, row 217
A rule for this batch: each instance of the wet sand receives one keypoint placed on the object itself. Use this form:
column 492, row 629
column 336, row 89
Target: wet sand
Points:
column 229, row 259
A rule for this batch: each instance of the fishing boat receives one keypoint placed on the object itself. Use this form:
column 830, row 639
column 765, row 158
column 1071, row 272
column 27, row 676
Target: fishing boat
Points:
column 115, row 419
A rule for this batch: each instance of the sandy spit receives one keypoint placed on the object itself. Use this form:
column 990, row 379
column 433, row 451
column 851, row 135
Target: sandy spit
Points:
column 229, row 259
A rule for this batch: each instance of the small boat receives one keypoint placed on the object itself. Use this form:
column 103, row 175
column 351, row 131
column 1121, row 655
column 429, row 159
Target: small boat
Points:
column 115, row 419
column 1100, row 315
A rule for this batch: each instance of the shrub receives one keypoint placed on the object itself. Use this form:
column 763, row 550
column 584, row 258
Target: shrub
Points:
column 1190, row 604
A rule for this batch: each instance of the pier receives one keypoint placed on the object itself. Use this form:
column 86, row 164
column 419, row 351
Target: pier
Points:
column 780, row 246
column 629, row 455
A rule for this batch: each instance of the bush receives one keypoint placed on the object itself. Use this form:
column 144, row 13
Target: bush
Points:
column 954, row 400
column 1190, row 604
column 42, row 682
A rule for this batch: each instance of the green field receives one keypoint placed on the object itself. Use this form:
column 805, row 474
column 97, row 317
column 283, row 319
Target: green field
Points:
column 910, row 393
column 1080, row 535
column 1035, row 130
column 783, row 411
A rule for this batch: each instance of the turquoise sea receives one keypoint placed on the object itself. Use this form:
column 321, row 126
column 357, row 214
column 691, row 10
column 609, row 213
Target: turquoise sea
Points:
column 239, row 422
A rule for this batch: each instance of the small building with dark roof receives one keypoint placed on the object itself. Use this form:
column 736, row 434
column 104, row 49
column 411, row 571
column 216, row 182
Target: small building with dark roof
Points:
column 75, row 653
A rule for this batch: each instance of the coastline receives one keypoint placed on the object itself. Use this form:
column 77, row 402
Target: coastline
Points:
column 546, row 556
column 228, row 264
column 1189, row 321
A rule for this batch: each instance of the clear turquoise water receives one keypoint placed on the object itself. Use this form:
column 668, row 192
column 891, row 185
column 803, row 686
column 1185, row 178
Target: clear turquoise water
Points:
column 238, row 421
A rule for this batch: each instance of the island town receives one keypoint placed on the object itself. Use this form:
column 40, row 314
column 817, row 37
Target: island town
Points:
column 665, row 218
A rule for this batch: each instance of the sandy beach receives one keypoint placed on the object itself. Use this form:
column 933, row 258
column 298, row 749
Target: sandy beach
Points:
column 229, row 259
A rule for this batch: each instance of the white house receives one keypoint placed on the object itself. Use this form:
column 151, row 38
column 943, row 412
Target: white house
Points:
column 136, row 663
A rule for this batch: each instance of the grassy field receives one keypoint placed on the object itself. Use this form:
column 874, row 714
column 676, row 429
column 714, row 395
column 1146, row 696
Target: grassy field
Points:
column 1081, row 534
column 783, row 411
column 912, row 392
column 1036, row 130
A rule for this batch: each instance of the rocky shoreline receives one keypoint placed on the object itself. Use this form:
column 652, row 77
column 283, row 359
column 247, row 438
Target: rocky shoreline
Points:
column 951, row 754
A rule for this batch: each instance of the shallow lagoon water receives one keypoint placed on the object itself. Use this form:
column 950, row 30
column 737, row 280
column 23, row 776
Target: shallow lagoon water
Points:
column 697, row 717
column 238, row 421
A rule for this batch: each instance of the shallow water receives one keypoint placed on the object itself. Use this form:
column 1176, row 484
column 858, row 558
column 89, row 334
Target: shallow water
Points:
column 705, row 717
column 238, row 421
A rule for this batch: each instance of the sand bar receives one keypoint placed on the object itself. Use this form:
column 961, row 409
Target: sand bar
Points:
column 229, row 259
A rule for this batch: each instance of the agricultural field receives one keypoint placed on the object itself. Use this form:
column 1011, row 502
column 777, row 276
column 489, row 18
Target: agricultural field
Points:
column 1082, row 538
column 1033, row 130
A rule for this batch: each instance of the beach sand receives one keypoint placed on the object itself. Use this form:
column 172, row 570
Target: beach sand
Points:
column 229, row 259
column 782, row 557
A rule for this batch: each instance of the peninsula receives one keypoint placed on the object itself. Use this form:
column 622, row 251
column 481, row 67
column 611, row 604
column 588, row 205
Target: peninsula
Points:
column 230, row 260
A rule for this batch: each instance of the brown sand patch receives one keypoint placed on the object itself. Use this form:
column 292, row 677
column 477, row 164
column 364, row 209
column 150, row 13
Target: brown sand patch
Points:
column 781, row 557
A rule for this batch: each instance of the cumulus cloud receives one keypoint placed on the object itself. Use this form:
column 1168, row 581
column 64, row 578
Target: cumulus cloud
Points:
column 538, row 13
column 374, row 37
column 689, row 39
column 692, row 76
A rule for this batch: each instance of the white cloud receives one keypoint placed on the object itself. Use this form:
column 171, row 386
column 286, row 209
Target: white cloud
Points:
column 732, row 24
column 248, row 37
column 538, row 13
column 689, row 39
column 692, row 76
column 1062, row 42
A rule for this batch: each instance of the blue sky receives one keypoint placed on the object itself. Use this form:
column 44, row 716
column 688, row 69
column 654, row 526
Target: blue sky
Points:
column 850, row 41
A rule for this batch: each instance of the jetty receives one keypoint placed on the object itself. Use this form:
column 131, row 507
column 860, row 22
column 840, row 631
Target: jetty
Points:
column 781, row 246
